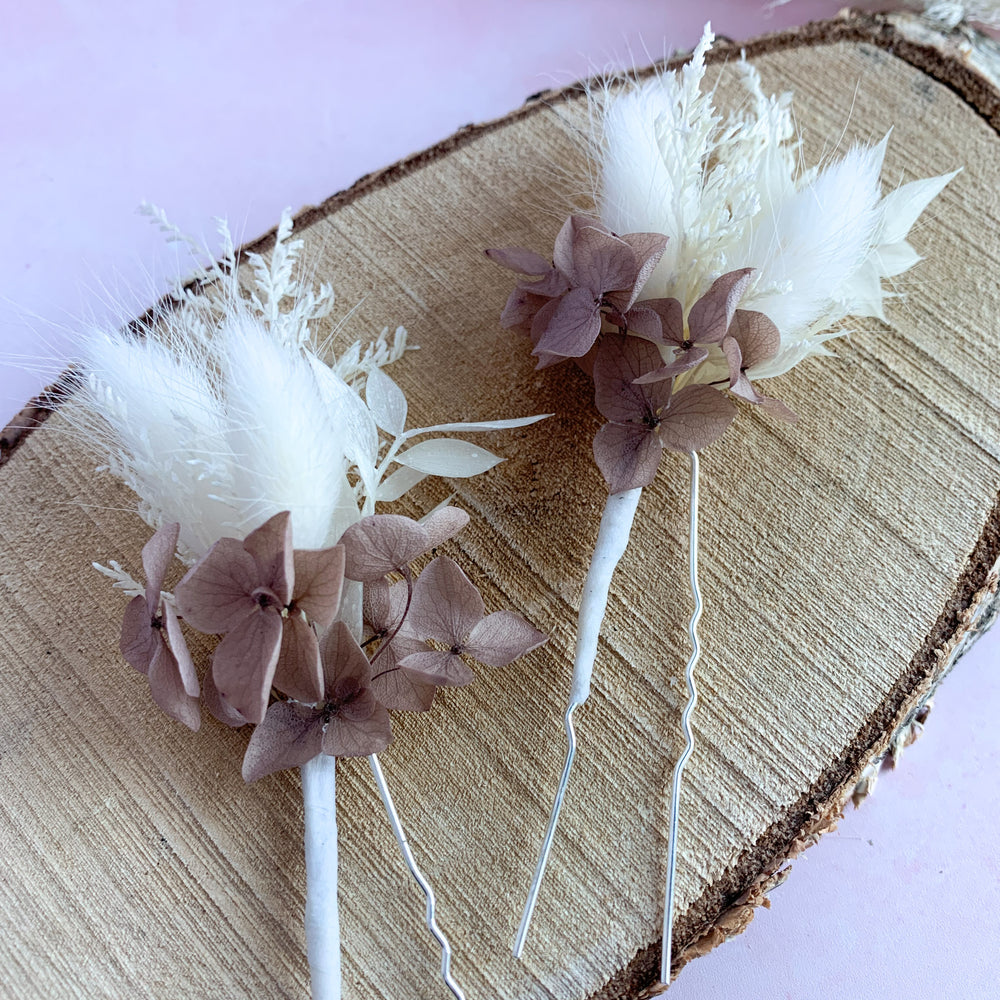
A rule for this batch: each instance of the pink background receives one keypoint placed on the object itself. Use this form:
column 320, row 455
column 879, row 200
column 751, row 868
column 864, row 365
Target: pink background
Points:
column 239, row 109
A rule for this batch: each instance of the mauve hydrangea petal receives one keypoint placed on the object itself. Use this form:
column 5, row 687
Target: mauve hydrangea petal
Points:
column 443, row 524
column 215, row 595
column 167, row 689
column 375, row 604
column 562, row 253
column 628, row 455
column 397, row 690
column 734, row 359
column 519, row 259
column 500, row 638
column 619, row 363
column 139, row 640
column 697, row 416
column 381, row 543
column 571, row 328
column 757, row 336
column 684, row 360
column 446, row 604
column 554, row 284
column 435, row 666
column 671, row 315
column 185, row 665
column 298, row 673
column 644, row 323
column 217, row 706
column 319, row 583
column 648, row 249
column 289, row 736
column 602, row 262
column 521, row 308
column 244, row 662
column 157, row 554
column 358, row 737
column 711, row 315
column 271, row 547
column 345, row 666
column 746, row 390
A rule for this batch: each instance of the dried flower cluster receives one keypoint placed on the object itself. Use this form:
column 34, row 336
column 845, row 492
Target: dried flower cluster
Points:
column 275, row 607
column 741, row 264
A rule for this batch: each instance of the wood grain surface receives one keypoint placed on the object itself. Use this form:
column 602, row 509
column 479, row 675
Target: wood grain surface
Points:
column 839, row 556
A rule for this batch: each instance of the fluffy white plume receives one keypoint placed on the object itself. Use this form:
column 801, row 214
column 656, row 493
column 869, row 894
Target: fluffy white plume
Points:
column 730, row 192
column 221, row 412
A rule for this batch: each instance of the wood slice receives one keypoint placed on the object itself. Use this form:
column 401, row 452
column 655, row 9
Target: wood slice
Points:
column 843, row 559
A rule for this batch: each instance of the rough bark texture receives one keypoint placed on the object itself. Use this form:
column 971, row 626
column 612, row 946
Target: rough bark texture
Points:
column 844, row 559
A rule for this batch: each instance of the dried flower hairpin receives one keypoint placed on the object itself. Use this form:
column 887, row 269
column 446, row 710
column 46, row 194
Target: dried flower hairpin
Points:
column 735, row 266
column 260, row 465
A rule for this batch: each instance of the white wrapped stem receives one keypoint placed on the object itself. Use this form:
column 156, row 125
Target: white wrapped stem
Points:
column 319, row 796
column 612, row 540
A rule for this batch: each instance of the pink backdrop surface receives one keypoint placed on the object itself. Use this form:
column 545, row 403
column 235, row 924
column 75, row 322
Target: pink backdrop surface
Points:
column 239, row 109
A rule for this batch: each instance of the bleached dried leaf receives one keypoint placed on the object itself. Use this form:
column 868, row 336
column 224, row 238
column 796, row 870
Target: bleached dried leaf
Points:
column 386, row 402
column 449, row 457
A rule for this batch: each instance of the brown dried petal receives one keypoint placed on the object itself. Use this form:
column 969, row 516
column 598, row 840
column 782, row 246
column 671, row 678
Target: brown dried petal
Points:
column 519, row 259
column 271, row 547
column 345, row 666
column 500, row 638
column 438, row 667
column 644, row 323
column 446, row 604
column 289, row 736
column 167, row 689
column 711, row 315
column 757, row 336
column 244, row 663
column 572, row 326
column 348, row 736
column 215, row 594
column 139, row 640
column 628, row 455
column 319, row 582
column 216, row 706
column 298, row 673
column 157, row 555
column 443, row 524
column 698, row 414
column 381, row 543
column 620, row 361
column 185, row 665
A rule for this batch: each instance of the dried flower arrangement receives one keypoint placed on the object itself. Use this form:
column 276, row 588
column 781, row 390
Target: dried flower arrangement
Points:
column 736, row 265
column 259, row 465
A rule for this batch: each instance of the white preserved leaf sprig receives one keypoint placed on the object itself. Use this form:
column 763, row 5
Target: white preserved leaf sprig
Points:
column 730, row 192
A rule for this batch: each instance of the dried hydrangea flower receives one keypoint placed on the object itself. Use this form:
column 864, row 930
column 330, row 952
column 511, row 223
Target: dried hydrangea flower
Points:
column 346, row 721
column 447, row 608
column 173, row 682
column 647, row 417
column 594, row 272
column 263, row 597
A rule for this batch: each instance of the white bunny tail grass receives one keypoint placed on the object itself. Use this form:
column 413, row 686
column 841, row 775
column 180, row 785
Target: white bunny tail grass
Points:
column 729, row 192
